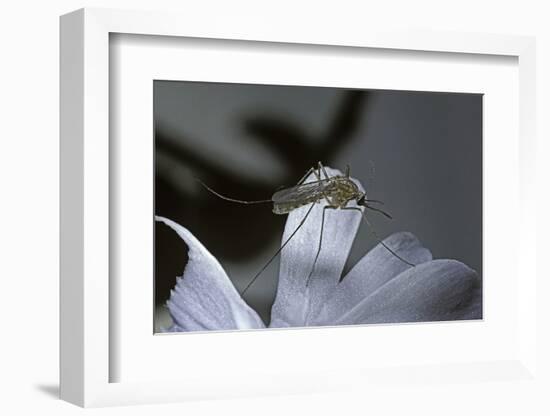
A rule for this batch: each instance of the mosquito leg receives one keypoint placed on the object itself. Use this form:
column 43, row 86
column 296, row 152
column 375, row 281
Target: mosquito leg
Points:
column 301, row 181
column 317, row 174
column 322, row 168
column 279, row 250
column 347, row 171
column 374, row 233
column 320, row 243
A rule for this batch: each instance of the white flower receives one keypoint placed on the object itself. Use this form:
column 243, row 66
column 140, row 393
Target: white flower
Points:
column 380, row 288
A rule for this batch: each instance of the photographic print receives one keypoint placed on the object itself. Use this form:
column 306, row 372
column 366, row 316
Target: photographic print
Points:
column 293, row 206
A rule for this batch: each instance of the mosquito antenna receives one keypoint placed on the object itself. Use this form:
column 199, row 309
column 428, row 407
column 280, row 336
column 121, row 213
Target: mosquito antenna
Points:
column 232, row 199
column 374, row 201
column 279, row 250
column 375, row 234
column 379, row 210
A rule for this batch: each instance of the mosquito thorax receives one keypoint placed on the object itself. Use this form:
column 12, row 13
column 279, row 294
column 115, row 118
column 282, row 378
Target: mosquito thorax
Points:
column 342, row 191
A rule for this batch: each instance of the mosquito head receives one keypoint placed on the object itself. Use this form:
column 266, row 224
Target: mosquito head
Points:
column 361, row 199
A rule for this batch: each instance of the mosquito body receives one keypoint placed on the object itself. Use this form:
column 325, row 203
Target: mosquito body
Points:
column 339, row 192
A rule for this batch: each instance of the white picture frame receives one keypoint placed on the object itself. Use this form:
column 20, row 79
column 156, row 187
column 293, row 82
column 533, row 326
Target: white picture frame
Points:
column 87, row 302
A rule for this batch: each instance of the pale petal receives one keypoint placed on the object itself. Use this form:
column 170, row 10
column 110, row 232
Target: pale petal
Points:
column 437, row 290
column 295, row 303
column 204, row 298
column 371, row 272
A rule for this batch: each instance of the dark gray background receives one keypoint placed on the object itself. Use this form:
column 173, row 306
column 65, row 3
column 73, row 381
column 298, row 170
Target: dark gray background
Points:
column 419, row 152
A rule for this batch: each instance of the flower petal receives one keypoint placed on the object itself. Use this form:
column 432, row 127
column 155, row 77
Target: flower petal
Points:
column 437, row 290
column 295, row 303
column 204, row 298
column 375, row 269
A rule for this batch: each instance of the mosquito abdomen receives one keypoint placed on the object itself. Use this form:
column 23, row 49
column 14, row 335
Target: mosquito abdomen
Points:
column 281, row 208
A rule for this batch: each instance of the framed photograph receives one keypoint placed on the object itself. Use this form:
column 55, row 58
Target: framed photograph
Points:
column 236, row 206
column 203, row 130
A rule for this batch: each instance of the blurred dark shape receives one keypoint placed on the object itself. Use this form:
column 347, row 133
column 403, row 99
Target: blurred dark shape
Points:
column 208, row 216
column 291, row 143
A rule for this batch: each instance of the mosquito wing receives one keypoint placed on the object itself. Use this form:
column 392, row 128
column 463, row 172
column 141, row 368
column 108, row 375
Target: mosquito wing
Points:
column 301, row 194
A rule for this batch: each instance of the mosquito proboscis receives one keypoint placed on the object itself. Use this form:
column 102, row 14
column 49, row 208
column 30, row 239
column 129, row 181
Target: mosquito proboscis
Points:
column 338, row 191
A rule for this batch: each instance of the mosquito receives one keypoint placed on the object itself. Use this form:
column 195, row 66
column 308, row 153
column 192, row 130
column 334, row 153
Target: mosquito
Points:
column 338, row 192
